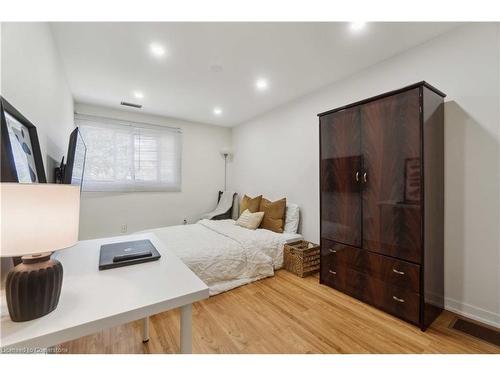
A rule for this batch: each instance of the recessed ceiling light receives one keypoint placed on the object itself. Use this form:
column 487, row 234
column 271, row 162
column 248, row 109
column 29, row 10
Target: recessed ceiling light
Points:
column 217, row 111
column 157, row 49
column 356, row 26
column 261, row 84
column 138, row 94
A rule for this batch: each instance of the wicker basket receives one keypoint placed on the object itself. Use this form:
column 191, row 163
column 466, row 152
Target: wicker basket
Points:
column 301, row 258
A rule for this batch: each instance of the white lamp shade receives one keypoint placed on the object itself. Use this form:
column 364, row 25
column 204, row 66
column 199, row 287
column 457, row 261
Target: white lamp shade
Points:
column 226, row 151
column 38, row 218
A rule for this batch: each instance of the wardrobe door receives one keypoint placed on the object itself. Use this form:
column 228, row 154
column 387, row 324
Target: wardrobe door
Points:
column 392, row 183
column 340, row 172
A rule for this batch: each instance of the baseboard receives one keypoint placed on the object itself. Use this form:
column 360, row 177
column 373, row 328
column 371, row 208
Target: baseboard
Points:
column 472, row 312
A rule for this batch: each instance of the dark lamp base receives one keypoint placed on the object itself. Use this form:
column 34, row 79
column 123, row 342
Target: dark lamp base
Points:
column 33, row 287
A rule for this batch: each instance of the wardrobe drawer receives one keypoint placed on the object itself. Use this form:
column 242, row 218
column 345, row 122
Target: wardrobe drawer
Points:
column 328, row 248
column 389, row 270
column 390, row 298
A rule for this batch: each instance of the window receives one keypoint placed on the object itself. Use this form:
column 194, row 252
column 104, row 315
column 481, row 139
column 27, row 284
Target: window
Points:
column 129, row 156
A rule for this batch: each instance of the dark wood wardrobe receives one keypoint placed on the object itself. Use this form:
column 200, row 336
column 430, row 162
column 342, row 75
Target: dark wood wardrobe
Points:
column 382, row 201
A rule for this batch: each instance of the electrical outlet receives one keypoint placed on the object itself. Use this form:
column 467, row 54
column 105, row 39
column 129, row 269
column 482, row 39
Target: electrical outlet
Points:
column 124, row 228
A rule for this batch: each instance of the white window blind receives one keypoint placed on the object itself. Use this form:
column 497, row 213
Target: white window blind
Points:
column 130, row 156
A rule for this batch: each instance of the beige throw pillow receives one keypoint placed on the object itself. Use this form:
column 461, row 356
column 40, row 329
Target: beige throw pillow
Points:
column 251, row 204
column 250, row 220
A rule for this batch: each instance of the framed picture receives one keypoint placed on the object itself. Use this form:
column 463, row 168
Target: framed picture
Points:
column 21, row 157
column 412, row 180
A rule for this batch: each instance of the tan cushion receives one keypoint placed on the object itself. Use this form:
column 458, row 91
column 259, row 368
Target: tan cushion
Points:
column 251, row 204
column 274, row 214
column 250, row 220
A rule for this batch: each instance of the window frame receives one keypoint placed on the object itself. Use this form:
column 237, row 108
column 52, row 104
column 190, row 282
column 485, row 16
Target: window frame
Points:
column 132, row 129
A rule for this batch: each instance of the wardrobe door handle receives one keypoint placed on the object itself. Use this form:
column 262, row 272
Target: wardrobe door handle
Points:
column 332, row 272
column 332, row 251
column 357, row 176
column 397, row 271
column 398, row 299
column 365, row 177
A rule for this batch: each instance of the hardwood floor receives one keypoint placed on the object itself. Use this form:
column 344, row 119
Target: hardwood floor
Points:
column 284, row 314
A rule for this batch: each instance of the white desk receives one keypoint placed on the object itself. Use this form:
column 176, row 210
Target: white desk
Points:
column 93, row 300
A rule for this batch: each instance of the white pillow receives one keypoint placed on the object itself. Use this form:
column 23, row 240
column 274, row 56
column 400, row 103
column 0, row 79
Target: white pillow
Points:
column 291, row 218
column 250, row 220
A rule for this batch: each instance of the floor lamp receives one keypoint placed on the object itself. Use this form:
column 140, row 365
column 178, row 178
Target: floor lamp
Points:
column 225, row 152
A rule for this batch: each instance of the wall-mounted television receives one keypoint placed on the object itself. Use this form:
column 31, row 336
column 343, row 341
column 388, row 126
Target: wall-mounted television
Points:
column 75, row 162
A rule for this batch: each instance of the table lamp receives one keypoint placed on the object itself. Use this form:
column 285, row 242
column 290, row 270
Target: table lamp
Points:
column 36, row 220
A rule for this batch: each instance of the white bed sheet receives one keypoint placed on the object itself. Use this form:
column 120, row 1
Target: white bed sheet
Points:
column 225, row 255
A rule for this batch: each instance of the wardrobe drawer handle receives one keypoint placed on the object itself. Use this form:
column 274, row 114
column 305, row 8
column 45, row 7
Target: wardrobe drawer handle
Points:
column 332, row 272
column 357, row 176
column 398, row 299
column 332, row 251
column 397, row 271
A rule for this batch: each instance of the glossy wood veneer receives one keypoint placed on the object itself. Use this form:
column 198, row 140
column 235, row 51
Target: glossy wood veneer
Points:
column 388, row 297
column 391, row 212
column 389, row 270
column 341, row 167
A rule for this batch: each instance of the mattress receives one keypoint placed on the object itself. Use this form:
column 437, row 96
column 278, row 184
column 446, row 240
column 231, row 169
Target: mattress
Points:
column 225, row 255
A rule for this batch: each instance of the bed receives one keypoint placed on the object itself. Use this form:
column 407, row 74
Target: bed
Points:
column 225, row 255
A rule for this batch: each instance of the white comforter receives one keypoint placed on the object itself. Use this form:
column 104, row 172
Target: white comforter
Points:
column 225, row 255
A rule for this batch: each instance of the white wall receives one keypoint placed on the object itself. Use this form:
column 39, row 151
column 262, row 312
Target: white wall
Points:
column 34, row 82
column 102, row 214
column 277, row 154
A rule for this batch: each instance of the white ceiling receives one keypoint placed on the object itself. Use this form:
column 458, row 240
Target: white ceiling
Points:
column 106, row 62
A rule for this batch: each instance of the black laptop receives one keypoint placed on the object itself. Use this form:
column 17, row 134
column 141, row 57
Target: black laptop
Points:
column 127, row 253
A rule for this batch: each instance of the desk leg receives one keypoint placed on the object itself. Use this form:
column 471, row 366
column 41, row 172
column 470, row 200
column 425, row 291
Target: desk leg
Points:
column 186, row 329
column 145, row 329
